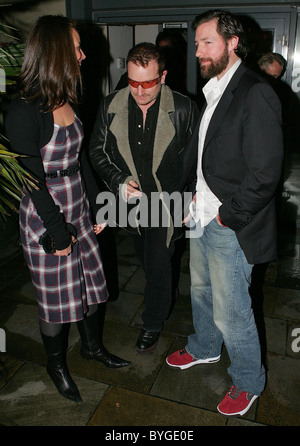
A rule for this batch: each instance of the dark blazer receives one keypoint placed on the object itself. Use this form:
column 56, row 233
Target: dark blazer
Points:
column 242, row 161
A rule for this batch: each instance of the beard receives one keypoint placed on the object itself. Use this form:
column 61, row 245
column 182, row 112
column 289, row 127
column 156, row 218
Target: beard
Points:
column 215, row 67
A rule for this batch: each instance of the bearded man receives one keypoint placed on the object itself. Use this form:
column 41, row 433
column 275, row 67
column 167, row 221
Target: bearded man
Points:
column 238, row 149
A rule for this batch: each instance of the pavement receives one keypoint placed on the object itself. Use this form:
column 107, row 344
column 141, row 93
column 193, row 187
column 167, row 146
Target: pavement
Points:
column 149, row 393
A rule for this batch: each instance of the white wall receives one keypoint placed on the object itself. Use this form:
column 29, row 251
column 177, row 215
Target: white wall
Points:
column 120, row 41
column 146, row 33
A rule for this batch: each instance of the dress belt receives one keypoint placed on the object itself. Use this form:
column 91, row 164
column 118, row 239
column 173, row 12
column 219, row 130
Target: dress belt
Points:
column 63, row 173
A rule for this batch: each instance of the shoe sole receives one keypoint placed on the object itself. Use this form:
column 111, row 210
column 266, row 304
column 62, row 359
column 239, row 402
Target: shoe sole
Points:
column 242, row 412
column 191, row 364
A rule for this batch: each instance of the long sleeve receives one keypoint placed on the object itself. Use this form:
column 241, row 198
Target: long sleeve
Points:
column 101, row 151
column 263, row 155
column 24, row 128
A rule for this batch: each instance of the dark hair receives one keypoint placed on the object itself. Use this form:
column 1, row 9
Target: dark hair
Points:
column 227, row 26
column 142, row 53
column 165, row 36
column 50, row 70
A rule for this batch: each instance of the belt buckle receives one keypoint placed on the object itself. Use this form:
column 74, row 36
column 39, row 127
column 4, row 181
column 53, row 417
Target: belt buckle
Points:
column 52, row 175
column 64, row 172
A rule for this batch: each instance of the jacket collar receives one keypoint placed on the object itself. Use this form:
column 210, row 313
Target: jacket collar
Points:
column 223, row 104
column 164, row 131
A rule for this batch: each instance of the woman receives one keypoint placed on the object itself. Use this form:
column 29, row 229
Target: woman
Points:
column 43, row 125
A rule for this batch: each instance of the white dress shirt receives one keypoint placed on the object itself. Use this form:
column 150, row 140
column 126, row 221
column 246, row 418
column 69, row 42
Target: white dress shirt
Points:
column 206, row 207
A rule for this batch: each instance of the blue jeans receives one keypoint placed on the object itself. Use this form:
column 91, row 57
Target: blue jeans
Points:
column 221, row 305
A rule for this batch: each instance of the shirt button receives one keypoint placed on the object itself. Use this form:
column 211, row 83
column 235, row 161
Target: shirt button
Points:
column 139, row 143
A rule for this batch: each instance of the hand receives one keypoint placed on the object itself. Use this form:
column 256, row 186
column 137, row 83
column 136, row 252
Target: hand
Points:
column 132, row 190
column 99, row 228
column 67, row 251
column 187, row 218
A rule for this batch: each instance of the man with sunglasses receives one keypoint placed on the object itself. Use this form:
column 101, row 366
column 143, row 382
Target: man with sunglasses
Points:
column 138, row 149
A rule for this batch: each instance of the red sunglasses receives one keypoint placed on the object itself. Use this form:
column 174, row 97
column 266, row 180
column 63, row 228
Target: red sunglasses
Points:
column 145, row 84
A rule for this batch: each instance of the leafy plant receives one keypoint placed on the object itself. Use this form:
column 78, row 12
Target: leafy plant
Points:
column 12, row 179
column 11, row 54
column 12, row 176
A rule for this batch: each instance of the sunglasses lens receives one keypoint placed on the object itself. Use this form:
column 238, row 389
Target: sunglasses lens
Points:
column 144, row 85
column 149, row 84
column 134, row 84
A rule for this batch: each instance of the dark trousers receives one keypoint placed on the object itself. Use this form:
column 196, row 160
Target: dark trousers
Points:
column 156, row 260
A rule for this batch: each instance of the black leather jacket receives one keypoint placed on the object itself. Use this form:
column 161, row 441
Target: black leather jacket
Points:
column 110, row 151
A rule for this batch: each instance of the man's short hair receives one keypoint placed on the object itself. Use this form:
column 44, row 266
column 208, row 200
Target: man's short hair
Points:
column 142, row 53
column 269, row 58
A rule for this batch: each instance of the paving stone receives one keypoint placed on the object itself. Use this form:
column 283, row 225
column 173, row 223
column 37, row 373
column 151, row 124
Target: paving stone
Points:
column 31, row 399
column 125, row 307
column 288, row 304
column 8, row 367
column 180, row 321
column 126, row 272
column 269, row 300
column 137, row 282
column 276, row 330
column 121, row 407
column 23, row 333
column 210, row 382
column 279, row 405
column 120, row 340
column 148, row 389
column 289, row 273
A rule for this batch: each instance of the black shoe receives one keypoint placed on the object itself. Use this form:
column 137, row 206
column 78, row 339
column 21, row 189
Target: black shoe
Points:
column 102, row 355
column 147, row 341
column 64, row 382
column 57, row 367
column 90, row 333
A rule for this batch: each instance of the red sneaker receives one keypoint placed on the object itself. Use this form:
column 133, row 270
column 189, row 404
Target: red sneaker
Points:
column 236, row 402
column 183, row 360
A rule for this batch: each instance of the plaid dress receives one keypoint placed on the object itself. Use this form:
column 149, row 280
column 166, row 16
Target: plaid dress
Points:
column 65, row 285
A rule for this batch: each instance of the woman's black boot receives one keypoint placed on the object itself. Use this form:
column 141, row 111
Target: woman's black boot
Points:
column 90, row 330
column 57, row 367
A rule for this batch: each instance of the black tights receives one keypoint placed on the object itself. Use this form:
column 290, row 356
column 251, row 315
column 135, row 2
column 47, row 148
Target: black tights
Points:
column 52, row 329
